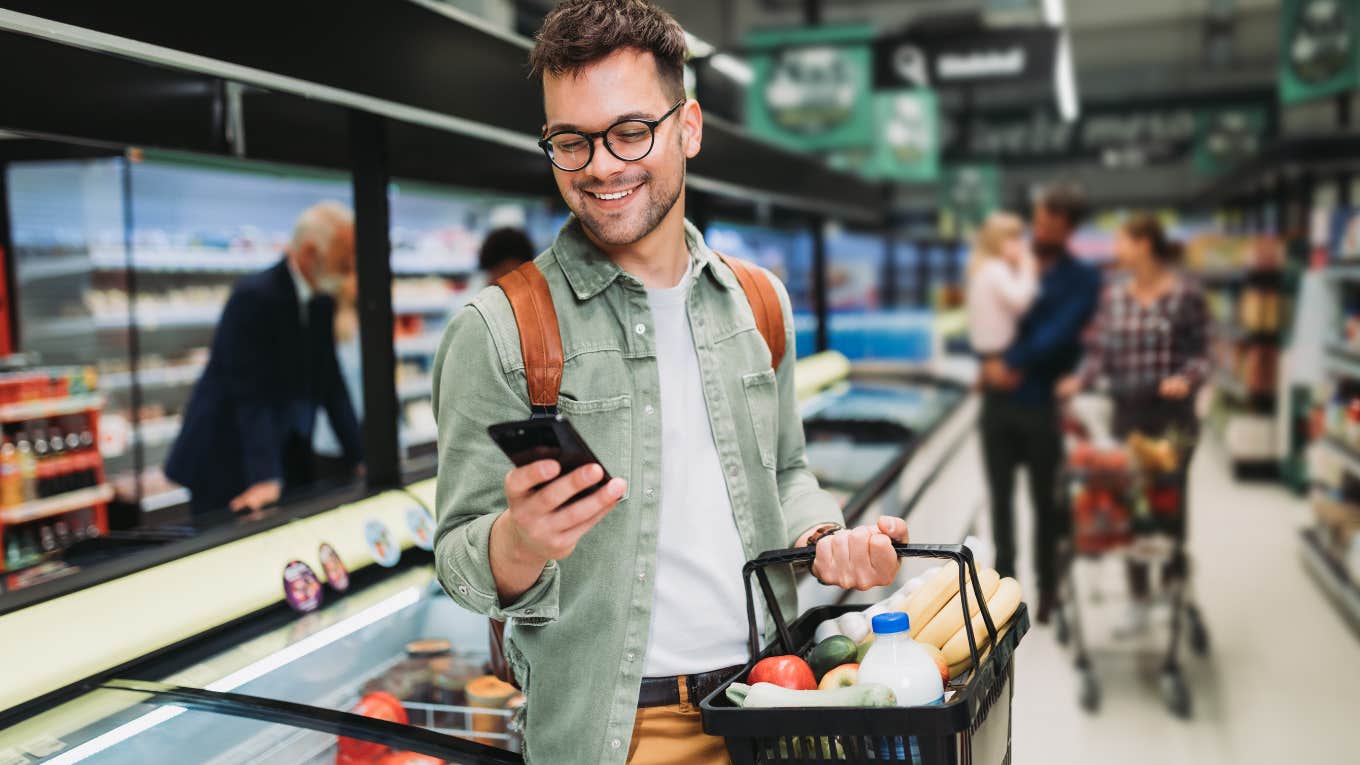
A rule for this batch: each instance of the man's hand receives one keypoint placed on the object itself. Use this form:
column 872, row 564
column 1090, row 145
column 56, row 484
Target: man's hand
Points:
column 1175, row 387
column 538, row 526
column 997, row 376
column 862, row 558
column 1068, row 387
column 258, row 496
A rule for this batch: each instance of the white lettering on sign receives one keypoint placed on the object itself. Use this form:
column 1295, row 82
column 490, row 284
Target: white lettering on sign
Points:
column 1000, row 63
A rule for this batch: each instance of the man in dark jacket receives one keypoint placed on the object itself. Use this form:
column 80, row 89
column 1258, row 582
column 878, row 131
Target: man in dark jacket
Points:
column 1020, row 422
column 247, row 430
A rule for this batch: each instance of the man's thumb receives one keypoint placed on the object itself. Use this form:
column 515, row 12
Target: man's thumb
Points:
column 893, row 527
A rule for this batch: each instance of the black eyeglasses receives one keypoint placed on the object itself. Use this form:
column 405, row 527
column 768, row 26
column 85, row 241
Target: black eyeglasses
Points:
column 629, row 140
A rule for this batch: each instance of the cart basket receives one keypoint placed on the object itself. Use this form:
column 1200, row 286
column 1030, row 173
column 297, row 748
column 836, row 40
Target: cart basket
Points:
column 973, row 726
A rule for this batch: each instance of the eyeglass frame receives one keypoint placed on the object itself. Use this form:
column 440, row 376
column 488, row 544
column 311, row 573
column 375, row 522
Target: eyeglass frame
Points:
column 545, row 143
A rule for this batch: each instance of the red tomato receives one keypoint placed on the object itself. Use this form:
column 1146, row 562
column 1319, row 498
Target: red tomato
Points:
column 784, row 671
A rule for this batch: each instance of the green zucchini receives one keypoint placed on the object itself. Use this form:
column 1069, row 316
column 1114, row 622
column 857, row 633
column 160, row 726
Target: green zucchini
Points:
column 766, row 695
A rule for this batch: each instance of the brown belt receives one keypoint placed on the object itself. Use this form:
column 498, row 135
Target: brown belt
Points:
column 665, row 691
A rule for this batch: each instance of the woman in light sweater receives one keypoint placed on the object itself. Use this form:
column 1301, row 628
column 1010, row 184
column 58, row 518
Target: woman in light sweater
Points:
column 1002, row 282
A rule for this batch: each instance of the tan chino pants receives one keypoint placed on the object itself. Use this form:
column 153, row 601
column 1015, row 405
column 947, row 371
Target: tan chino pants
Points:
column 674, row 735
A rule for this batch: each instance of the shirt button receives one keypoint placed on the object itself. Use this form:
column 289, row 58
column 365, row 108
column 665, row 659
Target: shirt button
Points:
column 651, row 492
column 616, row 743
column 631, row 656
column 641, row 329
column 732, row 469
column 462, row 589
column 528, row 612
column 642, row 576
column 649, row 409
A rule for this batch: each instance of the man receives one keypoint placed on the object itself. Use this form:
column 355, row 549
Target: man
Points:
column 627, row 606
column 503, row 250
column 1020, row 420
column 247, row 432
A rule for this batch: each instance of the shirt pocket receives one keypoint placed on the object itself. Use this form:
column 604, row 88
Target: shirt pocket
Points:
column 762, row 401
column 606, row 425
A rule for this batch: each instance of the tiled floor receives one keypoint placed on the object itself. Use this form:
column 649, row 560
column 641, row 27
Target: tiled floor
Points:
column 1282, row 681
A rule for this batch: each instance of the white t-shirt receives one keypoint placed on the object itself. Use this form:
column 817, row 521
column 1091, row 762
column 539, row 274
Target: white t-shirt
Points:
column 699, row 606
column 998, row 295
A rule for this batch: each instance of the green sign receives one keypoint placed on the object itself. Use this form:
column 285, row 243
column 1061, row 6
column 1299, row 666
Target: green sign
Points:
column 1228, row 136
column 1318, row 42
column 968, row 194
column 812, row 87
column 907, row 144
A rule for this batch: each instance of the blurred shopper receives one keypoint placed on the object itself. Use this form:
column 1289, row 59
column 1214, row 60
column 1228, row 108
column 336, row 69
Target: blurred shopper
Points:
column 623, row 620
column 1020, row 423
column 503, row 250
column 331, row 463
column 247, row 432
column 1149, row 351
column 1002, row 283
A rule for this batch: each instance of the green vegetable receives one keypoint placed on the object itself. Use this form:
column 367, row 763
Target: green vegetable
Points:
column 767, row 695
column 831, row 653
column 863, row 648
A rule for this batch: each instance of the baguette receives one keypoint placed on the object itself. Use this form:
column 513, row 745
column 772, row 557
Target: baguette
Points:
column 1001, row 606
column 950, row 618
column 927, row 601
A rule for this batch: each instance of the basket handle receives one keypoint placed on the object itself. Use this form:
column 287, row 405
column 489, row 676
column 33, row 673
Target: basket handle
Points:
column 958, row 553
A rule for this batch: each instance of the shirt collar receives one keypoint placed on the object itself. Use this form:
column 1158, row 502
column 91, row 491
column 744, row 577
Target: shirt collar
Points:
column 589, row 271
column 304, row 290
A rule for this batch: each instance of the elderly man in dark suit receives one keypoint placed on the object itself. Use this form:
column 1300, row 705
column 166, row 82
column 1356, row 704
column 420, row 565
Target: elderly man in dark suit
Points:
column 247, row 430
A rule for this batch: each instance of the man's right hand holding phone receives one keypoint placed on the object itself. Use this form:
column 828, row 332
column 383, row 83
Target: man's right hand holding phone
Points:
column 538, row 526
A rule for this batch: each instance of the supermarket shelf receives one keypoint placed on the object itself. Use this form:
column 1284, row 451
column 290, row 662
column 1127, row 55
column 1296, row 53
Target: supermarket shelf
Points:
column 161, row 501
column 415, row 264
column 1330, row 576
column 420, row 387
column 32, row 410
column 420, row 345
column 1343, row 360
column 156, row 432
column 160, row 377
column 1346, row 270
column 147, row 322
column 1225, row 277
column 411, row 439
column 62, row 503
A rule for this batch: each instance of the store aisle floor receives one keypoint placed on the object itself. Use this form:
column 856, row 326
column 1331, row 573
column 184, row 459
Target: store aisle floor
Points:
column 1279, row 682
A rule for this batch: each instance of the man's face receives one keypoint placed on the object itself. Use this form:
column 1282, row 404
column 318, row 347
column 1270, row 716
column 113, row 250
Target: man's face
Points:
column 1050, row 230
column 334, row 264
column 623, row 85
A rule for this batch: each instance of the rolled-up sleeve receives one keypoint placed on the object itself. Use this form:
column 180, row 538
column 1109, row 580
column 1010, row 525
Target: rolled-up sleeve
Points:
column 804, row 502
column 472, row 391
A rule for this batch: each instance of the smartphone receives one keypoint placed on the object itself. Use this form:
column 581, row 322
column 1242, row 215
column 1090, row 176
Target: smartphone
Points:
column 547, row 438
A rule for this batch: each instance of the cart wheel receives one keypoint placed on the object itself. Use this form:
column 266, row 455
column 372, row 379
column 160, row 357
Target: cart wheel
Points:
column 1199, row 636
column 1175, row 693
column 1090, row 691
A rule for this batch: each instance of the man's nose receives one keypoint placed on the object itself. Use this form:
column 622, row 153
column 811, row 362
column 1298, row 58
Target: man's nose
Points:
column 605, row 164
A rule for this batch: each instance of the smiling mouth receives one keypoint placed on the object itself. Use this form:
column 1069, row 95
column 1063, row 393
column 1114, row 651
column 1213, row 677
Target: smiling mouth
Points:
column 612, row 195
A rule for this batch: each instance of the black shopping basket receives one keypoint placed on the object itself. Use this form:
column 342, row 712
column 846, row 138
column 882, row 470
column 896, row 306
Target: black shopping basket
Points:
column 972, row 726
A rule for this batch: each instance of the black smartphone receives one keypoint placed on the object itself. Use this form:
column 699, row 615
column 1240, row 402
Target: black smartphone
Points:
column 547, row 438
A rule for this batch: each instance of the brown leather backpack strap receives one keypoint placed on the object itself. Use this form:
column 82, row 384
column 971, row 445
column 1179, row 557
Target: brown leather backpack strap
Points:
column 540, row 339
column 764, row 300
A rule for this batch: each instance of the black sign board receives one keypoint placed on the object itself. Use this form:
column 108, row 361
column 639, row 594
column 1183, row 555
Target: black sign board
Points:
column 915, row 60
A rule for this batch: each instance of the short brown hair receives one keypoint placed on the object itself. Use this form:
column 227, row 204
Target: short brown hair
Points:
column 578, row 33
column 1146, row 228
column 1066, row 200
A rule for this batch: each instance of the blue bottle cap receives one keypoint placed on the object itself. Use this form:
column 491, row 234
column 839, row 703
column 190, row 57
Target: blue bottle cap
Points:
column 891, row 623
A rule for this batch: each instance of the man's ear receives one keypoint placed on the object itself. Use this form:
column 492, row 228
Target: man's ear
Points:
column 693, row 118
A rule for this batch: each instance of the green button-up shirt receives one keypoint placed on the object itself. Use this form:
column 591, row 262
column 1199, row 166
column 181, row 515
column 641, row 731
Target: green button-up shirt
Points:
column 579, row 634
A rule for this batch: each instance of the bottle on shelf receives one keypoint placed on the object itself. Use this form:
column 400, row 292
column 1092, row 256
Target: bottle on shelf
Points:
column 28, row 466
column 60, row 467
column 11, row 483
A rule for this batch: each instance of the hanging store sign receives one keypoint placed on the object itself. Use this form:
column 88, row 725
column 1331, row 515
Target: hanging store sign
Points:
column 968, row 193
column 907, row 144
column 979, row 57
column 1152, row 134
column 1227, row 137
column 1318, row 44
column 812, row 87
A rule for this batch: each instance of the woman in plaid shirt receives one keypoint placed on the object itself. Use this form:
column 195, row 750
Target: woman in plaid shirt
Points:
column 1148, row 350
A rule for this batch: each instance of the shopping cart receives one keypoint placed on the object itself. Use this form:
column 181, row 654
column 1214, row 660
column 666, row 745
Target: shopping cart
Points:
column 973, row 725
column 1120, row 500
